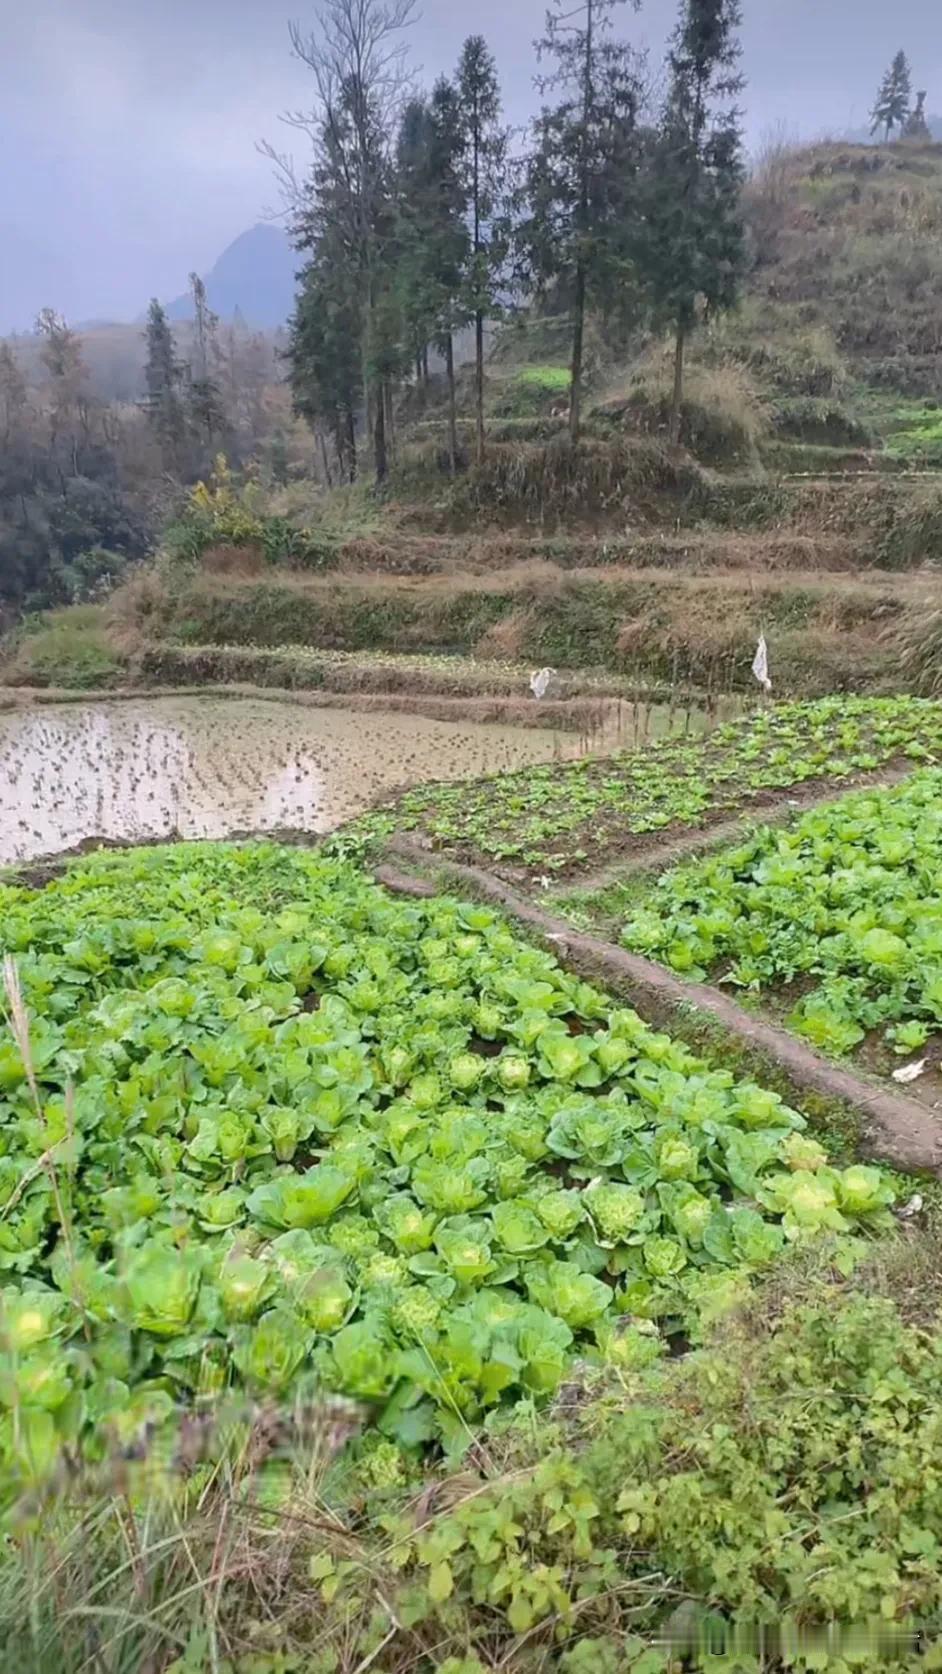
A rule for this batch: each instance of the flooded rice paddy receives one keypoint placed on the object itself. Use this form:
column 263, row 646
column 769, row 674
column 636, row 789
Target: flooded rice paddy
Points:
column 209, row 767
column 205, row 767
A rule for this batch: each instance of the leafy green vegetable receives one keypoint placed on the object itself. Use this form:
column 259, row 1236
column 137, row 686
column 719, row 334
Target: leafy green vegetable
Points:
column 550, row 817
column 302, row 1201
column 268, row 1354
column 162, row 1287
column 351, row 1195
column 848, row 899
column 563, row 1289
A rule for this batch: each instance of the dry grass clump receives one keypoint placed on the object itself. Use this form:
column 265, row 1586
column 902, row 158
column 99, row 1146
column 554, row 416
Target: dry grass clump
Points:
column 505, row 639
column 596, row 481
column 723, row 418
column 918, row 642
column 137, row 610
column 198, row 1544
column 234, row 560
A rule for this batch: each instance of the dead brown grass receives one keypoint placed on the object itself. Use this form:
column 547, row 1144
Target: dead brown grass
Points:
column 724, row 417
column 504, row 640
column 693, row 549
column 542, row 578
column 556, row 485
column 135, row 609
column 246, row 560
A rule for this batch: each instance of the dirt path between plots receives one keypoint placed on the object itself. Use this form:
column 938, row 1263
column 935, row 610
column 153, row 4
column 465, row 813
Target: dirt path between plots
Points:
column 775, row 808
column 894, row 1128
column 599, row 719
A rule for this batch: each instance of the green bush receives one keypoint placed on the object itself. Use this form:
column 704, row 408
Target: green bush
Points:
column 93, row 574
column 722, row 418
column 220, row 514
column 769, row 1501
column 770, row 1482
column 912, row 534
column 818, row 419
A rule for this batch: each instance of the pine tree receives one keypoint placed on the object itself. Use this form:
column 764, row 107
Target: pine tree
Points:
column 278, row 459
column 433, row 235
column 324, row 355
column 18, row 449
column 484, row 181
column 348, row 223
column 692, row 242
column 163, row 375
column 451, row 242
column 894, row 98
column 205, row 399
column 581, row 175
column 14, row 400
column 68, row 402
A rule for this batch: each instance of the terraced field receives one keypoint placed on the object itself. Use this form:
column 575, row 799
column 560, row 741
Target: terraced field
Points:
column 277, row 1140
column 584, row 816
column 840, row 910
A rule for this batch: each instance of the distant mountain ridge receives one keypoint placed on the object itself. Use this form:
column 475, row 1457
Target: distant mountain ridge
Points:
column 254, row 277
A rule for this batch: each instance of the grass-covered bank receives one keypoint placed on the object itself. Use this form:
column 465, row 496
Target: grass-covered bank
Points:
column 827, row 634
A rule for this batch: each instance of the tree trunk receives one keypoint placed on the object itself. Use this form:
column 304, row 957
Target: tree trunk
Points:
column 352, row 447
column 678, row 397
column 328, row 477
column 390, row 417
column 479, row 382
column 578, row 332
column 452, row 405
column 425, row 365
column 380, row 457
column 578, row 317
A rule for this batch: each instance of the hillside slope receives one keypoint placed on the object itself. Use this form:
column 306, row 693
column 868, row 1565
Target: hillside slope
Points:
column 848, row 241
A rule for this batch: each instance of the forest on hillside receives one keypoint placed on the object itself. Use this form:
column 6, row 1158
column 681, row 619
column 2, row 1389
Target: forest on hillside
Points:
column 87, row 482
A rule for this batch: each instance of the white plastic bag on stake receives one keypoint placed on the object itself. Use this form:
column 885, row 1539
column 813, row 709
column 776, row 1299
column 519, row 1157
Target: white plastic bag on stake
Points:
column 760, row 664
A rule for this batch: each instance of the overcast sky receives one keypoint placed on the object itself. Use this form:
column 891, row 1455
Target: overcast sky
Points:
column 128, row 127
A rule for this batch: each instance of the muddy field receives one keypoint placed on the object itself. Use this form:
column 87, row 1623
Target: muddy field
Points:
column 205, row 767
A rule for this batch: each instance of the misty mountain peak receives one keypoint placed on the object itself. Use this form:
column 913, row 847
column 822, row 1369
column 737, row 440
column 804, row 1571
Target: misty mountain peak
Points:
column 254, row 277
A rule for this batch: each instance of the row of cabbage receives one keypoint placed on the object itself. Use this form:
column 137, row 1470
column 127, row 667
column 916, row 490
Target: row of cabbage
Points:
column 846, row 903
column 558, row 817
column 263, row 1126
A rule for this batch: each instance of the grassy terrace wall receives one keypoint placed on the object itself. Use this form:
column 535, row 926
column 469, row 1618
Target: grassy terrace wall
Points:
column 826, row 633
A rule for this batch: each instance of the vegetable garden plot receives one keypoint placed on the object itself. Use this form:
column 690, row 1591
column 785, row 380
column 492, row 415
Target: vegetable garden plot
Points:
column 846, row 903
column 558, row 819
column 290, row 1132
